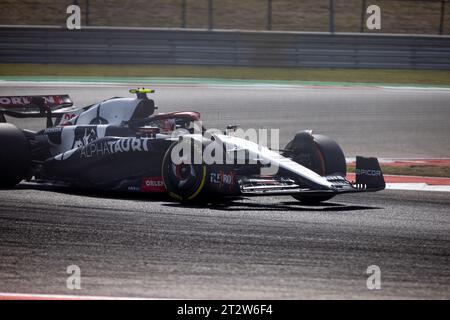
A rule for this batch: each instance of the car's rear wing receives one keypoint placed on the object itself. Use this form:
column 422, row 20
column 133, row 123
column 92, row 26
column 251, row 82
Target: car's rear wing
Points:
column 43, row 106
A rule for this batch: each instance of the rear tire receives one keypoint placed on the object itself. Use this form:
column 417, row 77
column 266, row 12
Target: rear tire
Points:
column 15, row 156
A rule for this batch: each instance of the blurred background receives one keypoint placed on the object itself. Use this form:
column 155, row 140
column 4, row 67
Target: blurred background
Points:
column 398, row 16
column 318, row 34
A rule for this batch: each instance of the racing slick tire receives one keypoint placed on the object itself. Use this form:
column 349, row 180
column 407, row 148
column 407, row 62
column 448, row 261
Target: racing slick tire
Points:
column 313, row 199
column 325, row 158
column 185, row 181
column 15, row 155
column 332, row 155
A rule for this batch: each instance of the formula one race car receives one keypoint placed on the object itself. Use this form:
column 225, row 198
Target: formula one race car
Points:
column 121, row 144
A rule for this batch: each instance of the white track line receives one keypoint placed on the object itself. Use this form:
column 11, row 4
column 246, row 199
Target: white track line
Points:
column 390, row 160
column 417, row 187
column 231, row 85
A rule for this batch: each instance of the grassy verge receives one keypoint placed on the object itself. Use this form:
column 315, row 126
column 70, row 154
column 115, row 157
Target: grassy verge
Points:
column 414, row 170
column 414, row 77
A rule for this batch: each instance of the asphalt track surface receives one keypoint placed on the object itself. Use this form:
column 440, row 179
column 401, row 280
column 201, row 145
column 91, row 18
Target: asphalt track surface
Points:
column 146, row 246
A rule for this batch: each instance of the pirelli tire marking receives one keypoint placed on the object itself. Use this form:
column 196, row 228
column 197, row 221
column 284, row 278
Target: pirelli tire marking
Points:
column 202, row 183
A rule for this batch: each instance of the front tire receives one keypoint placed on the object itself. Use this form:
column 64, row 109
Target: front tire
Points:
column 15, row 156
column 312, row 200
column 332, row 155
column 185, row 181
column 320, row 154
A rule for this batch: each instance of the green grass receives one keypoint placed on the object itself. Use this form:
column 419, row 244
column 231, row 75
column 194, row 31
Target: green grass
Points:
column 425, row 171
column 418, row 77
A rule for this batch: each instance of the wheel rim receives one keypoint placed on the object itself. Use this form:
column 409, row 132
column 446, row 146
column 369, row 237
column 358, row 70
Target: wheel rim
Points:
column 183, row 176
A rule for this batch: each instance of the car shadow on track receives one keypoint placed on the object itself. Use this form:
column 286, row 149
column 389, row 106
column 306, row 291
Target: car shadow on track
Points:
column 239, row 205
column 95, row 193
column 219, row 204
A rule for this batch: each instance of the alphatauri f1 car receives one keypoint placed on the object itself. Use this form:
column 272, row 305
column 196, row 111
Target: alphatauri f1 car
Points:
column 122, row 144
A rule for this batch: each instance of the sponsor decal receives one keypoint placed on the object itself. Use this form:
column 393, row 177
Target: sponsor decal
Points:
column 53, row 130
column 153, row 184
column 108, row 147
column 222, row 179
column 373, row 173
column 24, row 101
column 84, row 136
